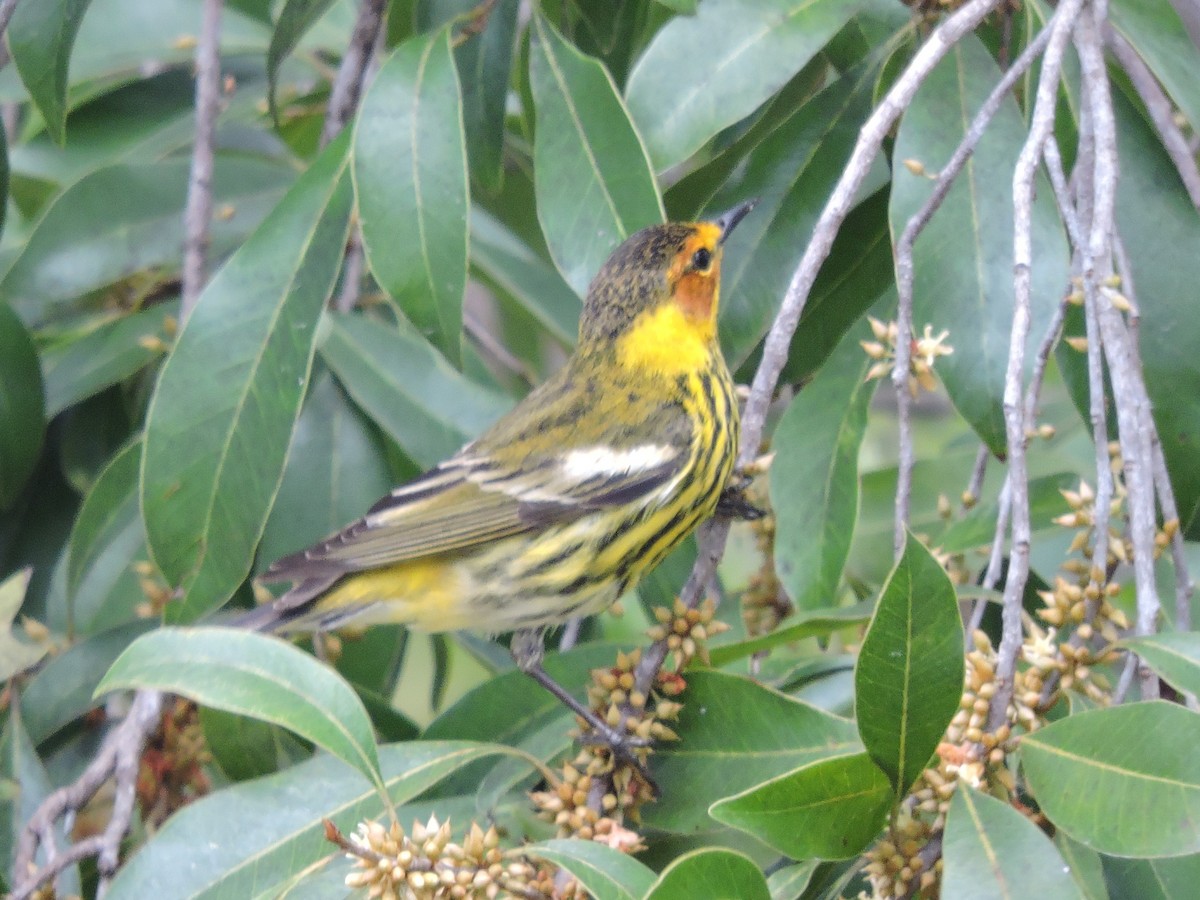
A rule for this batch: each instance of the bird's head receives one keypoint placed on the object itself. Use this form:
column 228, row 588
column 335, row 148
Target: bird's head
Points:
column 657, row 293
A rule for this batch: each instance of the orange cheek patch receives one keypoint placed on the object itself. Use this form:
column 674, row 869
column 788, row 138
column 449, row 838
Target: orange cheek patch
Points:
column 696, row 295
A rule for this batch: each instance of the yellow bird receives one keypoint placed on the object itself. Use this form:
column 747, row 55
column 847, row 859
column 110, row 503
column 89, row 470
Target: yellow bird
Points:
column 568, row 500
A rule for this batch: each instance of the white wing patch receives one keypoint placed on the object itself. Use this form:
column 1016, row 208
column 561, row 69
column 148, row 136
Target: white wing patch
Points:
column 605, row 462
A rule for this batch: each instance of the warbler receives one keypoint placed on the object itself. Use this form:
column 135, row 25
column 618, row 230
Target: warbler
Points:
column 565, row 502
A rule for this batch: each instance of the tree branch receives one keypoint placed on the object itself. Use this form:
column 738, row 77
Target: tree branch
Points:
column 347, row 86
column 904, row 271
column 118, row 758
column 1162, row 111
column 1133, row 415
column 1041, row 126
column 197, row 215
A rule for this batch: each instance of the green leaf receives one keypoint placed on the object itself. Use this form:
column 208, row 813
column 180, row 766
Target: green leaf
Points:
column 1124, row 781
column 909, row 677
column 591, row 174
column 1152, row 879
column 1175, row 655
column 15, row 655
column 511, row 708
column 1085, row 865
column 40, row 38
column 407, row 387
column 681, row 95
column 5, row 175
column 790, row 882
column 1155, row 218
column 336, row 468
column 219, row 847
column 107, row 539
column 1157, row 33
column 792, row 170
column 24, row 784
column 818, row 623
column 216, row 436
column 80, row 367
column 484, row 62
column 711, row 872
column 244, row 748
column 607, row 874
column 962, row 262
column 814, row 479
column 992, row 851
column 64, row 688
column 857, row 277
column 22, row 412
column 735, row 734
column 107, row 51
column 295, row 19
column 828, row 809
column 253, row 675
column 124, row 221
column 509, row 265
column 410, row 177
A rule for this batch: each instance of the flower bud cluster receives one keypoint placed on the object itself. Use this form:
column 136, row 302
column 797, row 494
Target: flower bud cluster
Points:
column 171, row 771
column 764, row 602
column 424, row 864
column 925, row 351
column 899, row 866
column 686, row 630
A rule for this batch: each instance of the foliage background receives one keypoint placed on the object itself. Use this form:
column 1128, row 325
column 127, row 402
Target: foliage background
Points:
column 378, row 296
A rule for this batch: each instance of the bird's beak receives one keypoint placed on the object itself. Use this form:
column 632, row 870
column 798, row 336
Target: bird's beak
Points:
column 727, row 221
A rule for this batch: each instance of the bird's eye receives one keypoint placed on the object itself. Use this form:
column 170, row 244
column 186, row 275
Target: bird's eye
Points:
column 702, row 259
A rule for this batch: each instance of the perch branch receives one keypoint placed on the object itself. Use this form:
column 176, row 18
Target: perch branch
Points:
column 712, row 535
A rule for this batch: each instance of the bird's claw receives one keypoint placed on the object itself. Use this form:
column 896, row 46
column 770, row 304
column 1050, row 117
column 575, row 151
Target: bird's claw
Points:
column 733, row 502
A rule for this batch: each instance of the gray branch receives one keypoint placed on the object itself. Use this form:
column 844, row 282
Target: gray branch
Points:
column 904, row 271
column 347, row 86
column 117, row 758
column 197, row 215
column 1041, row 126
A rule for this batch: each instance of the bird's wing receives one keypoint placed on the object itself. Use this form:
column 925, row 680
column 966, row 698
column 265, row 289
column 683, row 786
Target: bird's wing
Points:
column 473, row 498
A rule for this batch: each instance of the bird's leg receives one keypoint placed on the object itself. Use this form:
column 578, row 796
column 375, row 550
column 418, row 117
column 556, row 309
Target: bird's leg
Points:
column 527, row 651
column 733, row 502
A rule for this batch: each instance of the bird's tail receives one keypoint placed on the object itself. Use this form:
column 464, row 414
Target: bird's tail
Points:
column 294, row 611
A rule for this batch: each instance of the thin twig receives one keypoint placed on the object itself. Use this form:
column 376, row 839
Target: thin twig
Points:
column 118, row 758
column 1162, row 111
column 490, row 346
column 7, row 8
column 1133, row 414
column 974, row 486
column 991, row 575
column 712, row 535
column 904, row 272
column 1040, row 127
column 1162, row 479
column 352, row 273
column 197, row 215
column 347, row 86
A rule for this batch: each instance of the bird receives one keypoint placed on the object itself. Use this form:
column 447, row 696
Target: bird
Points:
column 565, row 502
